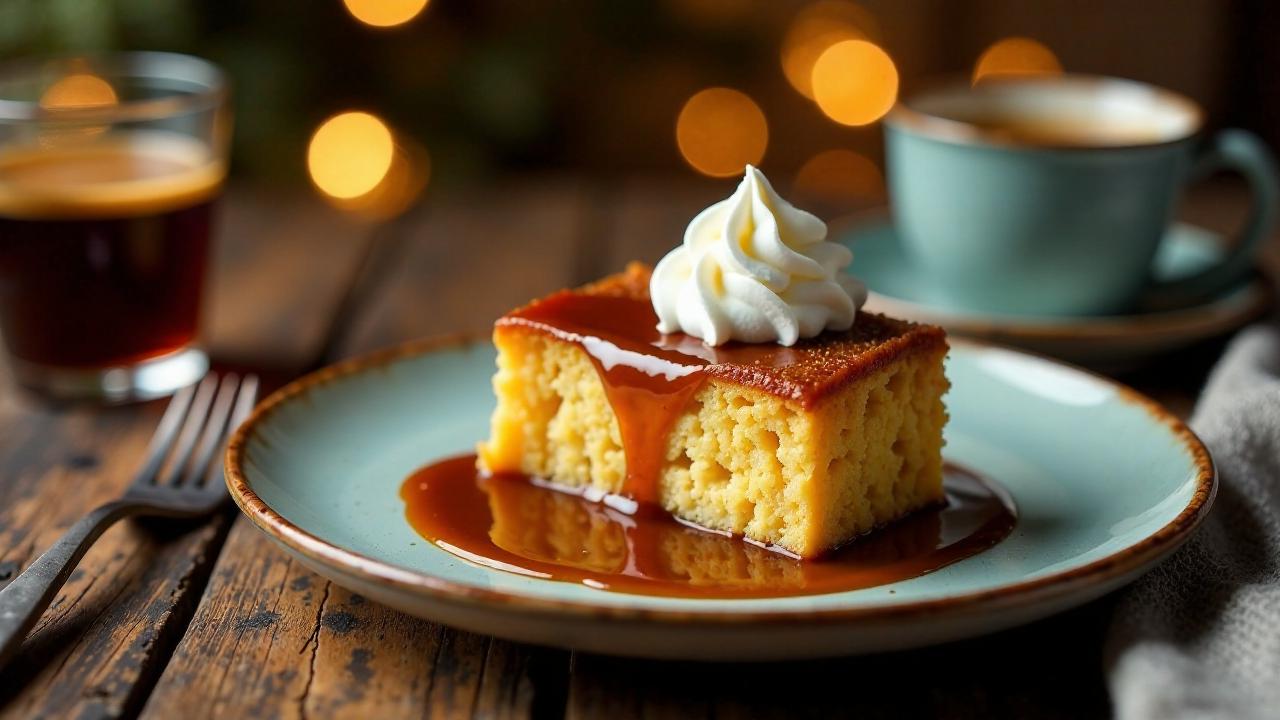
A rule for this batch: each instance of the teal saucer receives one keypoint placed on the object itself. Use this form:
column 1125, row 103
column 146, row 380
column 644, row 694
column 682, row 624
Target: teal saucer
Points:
column 899, row 288
column 1106, row 484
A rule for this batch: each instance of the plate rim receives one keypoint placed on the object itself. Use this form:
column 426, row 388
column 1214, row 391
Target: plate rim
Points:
column 367, row 569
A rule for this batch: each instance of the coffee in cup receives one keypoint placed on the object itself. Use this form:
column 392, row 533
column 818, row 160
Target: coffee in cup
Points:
column 1050, row 195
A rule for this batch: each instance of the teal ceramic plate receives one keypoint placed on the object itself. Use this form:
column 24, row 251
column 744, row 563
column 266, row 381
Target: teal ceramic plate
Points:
column 1105, row 481
column 898, row 288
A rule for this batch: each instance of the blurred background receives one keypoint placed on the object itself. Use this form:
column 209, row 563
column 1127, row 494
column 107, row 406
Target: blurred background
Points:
column 454, row 93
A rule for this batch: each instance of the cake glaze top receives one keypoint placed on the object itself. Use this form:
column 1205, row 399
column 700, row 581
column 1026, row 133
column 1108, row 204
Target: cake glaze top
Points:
column 614, row 321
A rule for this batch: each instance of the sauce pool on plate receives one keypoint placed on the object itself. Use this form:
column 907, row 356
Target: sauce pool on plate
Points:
column 521, row 525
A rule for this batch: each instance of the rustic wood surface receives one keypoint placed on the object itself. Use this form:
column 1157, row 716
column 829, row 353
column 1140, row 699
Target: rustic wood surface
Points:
column 212, row 620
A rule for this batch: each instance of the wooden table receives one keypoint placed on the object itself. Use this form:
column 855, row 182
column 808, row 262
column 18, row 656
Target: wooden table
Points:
column 172, row 621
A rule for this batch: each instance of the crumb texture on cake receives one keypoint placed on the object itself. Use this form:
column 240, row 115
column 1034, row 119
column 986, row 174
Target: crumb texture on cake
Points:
column 806, row 476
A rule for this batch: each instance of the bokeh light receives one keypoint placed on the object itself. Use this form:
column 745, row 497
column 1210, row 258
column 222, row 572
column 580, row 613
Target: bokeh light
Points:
column 855, row 82
column 720, row 130
column 816, row 28
column 840, row 177
column 1016, row 56
column 78, row 90
column 361, row 166
column 349, row 154
column 404, row 182
column 384, row 13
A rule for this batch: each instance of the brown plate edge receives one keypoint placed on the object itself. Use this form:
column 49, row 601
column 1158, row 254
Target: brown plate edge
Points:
column 1150, row 549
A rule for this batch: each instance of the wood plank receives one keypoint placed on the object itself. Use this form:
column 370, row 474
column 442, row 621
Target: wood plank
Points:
column 99, row 649
column 1050, row 669
column 368, row 660
column 282, row 262
column 646, row 217
column 471, row 258
column 124, row 607
column 455, row 266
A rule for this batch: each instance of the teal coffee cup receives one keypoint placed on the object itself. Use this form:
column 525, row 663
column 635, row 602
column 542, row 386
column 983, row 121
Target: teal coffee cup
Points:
column 1050, row 196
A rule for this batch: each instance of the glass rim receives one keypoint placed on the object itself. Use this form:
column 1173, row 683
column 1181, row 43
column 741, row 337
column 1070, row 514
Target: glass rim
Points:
column 209, row 82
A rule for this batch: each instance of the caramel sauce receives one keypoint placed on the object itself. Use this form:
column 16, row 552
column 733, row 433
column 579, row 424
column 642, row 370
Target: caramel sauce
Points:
column 650, row 377
column 522, row 525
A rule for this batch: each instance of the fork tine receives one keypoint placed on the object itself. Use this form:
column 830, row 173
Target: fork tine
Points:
column 245, row 403
column 214, row 429
column 191, row 426
column 162, row 438
column 245, row 400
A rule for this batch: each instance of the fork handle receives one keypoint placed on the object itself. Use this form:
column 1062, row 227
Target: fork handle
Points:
column 25, row 599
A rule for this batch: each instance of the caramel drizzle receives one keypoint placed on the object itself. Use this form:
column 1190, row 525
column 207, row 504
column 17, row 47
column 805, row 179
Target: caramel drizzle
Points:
column 648, row 377
column 516, row 524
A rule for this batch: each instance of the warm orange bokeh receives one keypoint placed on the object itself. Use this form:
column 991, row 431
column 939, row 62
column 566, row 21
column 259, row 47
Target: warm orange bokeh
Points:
column 384, row 13
column 359, row 165
column 1016, row 56
column 720, row 131
column 349, row 154
column 839, row 176
column 855, row 82
column 816, row 28
column 78, row 90
column 405, row 180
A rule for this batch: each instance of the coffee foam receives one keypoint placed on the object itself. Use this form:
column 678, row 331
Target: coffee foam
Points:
column 1081, row 130
column 1072, row 110
column 117, row 175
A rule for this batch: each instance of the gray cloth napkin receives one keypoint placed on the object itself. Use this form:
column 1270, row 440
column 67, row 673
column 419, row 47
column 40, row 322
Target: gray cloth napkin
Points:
column 1199, row 637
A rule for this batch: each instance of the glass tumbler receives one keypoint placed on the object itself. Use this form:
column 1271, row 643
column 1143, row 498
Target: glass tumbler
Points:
column 109, row 169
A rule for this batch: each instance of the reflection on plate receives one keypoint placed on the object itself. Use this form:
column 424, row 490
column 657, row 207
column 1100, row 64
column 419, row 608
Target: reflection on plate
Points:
column 1106, row 485
column 521, row 525
column 898, row 288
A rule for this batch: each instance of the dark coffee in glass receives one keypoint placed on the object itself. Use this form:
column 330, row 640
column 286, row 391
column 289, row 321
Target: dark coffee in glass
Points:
column 104, row 242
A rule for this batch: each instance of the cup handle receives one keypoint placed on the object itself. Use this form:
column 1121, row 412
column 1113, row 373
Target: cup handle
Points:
column 1243, row 152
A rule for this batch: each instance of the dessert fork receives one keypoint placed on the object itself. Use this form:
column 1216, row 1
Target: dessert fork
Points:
column 180, row 478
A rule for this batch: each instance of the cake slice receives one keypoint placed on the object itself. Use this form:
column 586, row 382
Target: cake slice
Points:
column 802, row 448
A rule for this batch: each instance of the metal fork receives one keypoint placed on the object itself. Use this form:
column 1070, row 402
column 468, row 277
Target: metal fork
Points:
column 181, row 478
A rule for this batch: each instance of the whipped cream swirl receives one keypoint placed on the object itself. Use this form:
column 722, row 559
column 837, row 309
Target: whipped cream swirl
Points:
column 755, row 268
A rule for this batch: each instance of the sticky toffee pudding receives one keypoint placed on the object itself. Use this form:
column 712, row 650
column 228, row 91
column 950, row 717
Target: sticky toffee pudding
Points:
column 727, row 424
column 802, row 447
